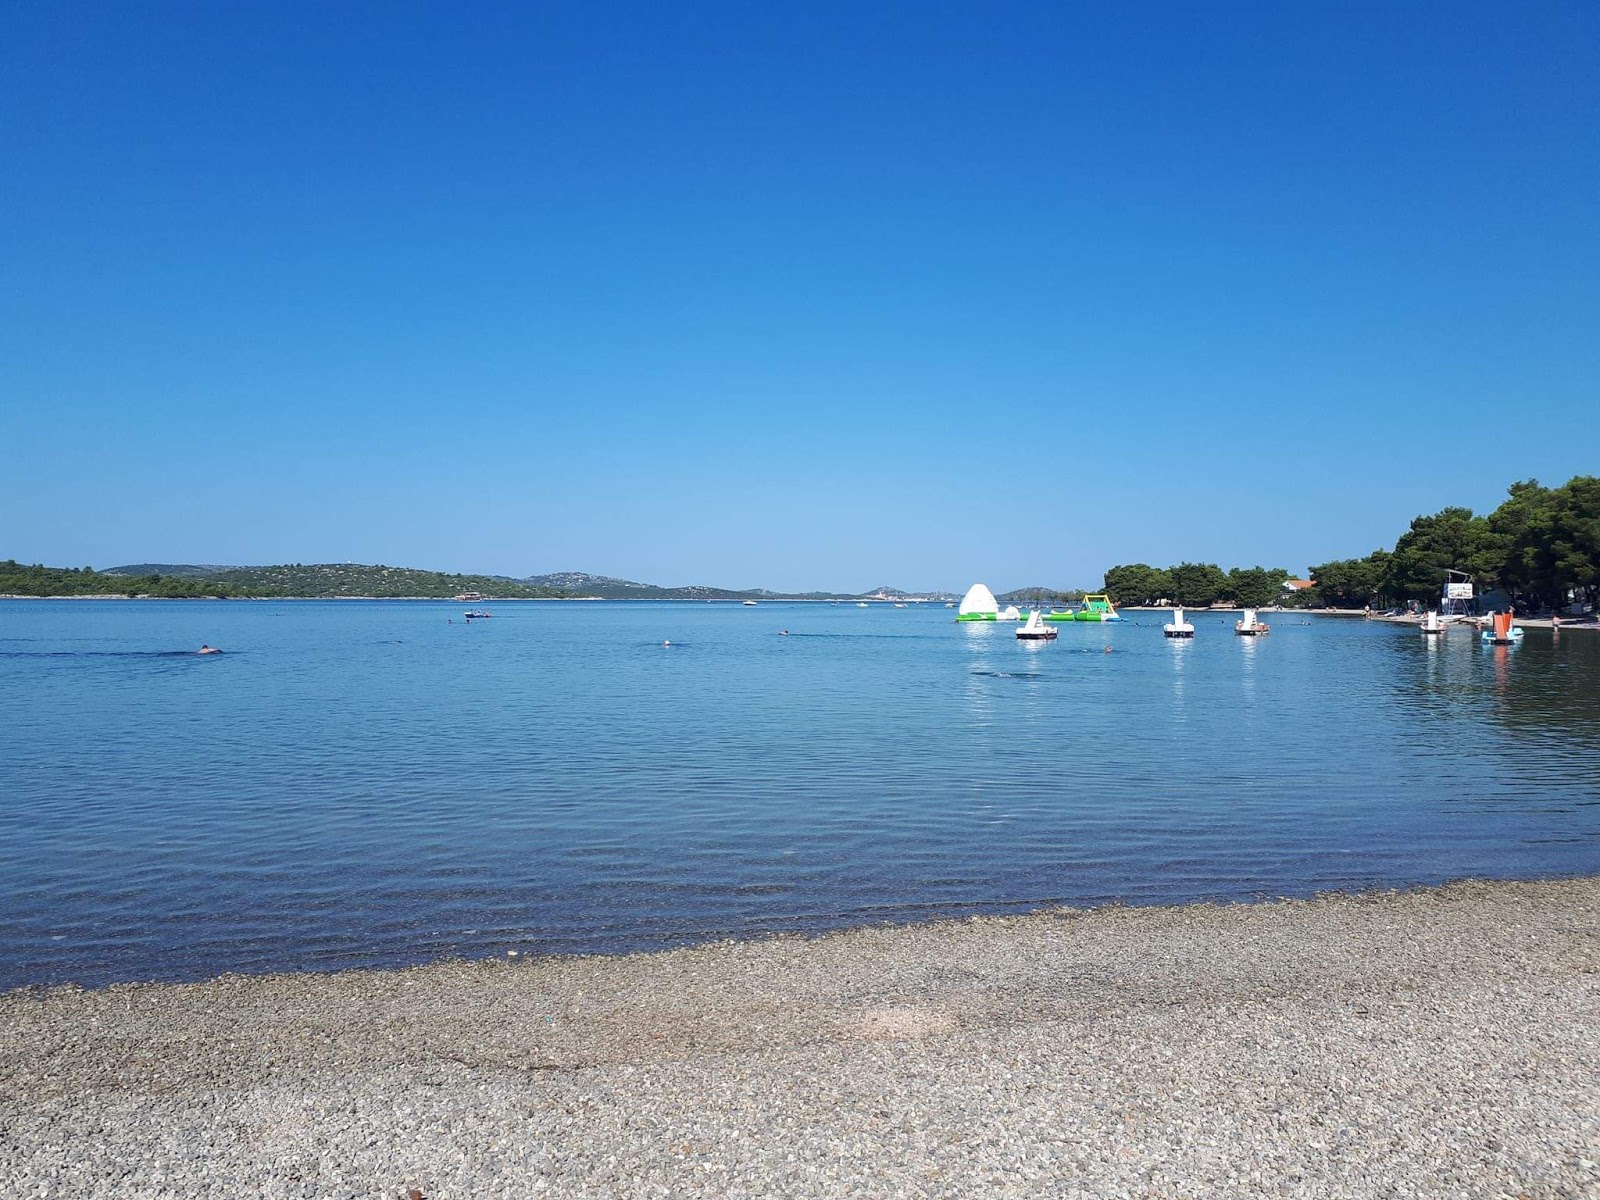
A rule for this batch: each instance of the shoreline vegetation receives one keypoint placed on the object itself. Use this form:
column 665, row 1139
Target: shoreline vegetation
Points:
column 1438, row 1042
column 1540, row 550
column 354, row 581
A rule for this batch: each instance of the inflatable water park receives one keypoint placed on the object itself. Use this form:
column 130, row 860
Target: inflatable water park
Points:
column 979, row 604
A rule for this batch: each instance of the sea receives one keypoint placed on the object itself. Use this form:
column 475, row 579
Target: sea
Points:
column 378, row 783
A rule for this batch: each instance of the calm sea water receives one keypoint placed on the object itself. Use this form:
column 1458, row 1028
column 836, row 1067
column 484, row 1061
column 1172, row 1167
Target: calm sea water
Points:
column 367, row 783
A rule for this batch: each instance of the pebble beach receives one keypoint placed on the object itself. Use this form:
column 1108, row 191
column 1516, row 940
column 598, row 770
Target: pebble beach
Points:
column 1441, row 1042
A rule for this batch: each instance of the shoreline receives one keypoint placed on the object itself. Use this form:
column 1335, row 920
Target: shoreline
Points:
column 1440, row 1042
column 502, row 600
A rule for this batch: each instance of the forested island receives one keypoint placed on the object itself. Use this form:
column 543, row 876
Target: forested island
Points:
column 1540, row 547
column 333, row 581
column 324, row 581
column 36, row 580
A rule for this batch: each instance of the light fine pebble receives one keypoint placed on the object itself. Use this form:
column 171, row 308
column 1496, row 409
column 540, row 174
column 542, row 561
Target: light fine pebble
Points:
column 1437, row 1043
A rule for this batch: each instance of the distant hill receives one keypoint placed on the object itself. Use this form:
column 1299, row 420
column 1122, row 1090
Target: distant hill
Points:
column 169, row 570
column 36, row 580
column 608, row 588
column 1033, row 595
column 578, row 583
column 334, row 580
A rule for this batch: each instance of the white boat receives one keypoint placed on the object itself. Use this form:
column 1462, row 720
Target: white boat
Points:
column 1249, row 626
column 899, row 605
column 749, row 603
column 1035, row 630
column 862, row 604
column 978, row 605
column 1432, row 624
column 1178, row 627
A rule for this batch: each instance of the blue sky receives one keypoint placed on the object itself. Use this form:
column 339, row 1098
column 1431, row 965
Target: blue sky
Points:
column 823, row 295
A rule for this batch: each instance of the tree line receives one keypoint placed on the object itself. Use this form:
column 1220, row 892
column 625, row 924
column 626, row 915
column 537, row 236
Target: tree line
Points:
column 1540, row 547
column 36, row 580
column 1195, row 585
column 330, row 580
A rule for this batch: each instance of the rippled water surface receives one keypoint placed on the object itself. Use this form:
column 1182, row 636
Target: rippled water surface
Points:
column 365, row 783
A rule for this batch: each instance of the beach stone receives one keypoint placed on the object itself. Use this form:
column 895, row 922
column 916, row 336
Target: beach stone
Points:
column 1437, row 1043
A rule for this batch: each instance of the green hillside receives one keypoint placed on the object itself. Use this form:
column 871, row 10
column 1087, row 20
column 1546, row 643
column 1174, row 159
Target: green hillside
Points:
column 36, row 580
column 351, row 579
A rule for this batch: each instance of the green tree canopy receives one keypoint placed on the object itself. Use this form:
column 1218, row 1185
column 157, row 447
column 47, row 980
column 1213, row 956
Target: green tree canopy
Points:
column 1255, row 587
column 1573, row 529
column 1451, row 539
column 1195, row 585
column 1138, row 583
column 1352, row 582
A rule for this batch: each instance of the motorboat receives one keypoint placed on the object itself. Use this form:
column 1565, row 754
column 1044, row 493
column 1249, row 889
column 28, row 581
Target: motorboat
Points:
column 862, row 604
column 470, row 598
column 1249, row 626
column 478, row 614
column 978, row 605
column 749, row 603
column 897, row 605
column 1035, row 630
column 1178, row 627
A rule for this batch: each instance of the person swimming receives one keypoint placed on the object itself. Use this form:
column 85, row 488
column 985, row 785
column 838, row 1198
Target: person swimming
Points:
column 205, row 649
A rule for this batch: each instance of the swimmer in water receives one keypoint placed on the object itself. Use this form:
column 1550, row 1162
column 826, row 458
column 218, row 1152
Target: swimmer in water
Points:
column 783, row 633
column 1107, row 650
column 205, row 649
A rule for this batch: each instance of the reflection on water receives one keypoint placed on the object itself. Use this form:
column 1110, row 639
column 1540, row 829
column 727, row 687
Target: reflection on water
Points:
column 361, row 784
column 1179, row 655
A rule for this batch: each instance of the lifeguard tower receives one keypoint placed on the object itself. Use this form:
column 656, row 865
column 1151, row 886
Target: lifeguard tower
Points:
column 1457, row 601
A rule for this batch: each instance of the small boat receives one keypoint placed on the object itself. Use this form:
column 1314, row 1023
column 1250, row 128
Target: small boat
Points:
column 1249, row 626
column 951, row 604
column 862, row 604
column 899, row 605
column 1502, row 632
column 1432, row 624
column 1178, row 627
column 749, row 603
column 478, row 614
column 1035, row 630
column 470, row 598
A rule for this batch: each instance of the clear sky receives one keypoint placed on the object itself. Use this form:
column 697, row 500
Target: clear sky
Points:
column 805, row 295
